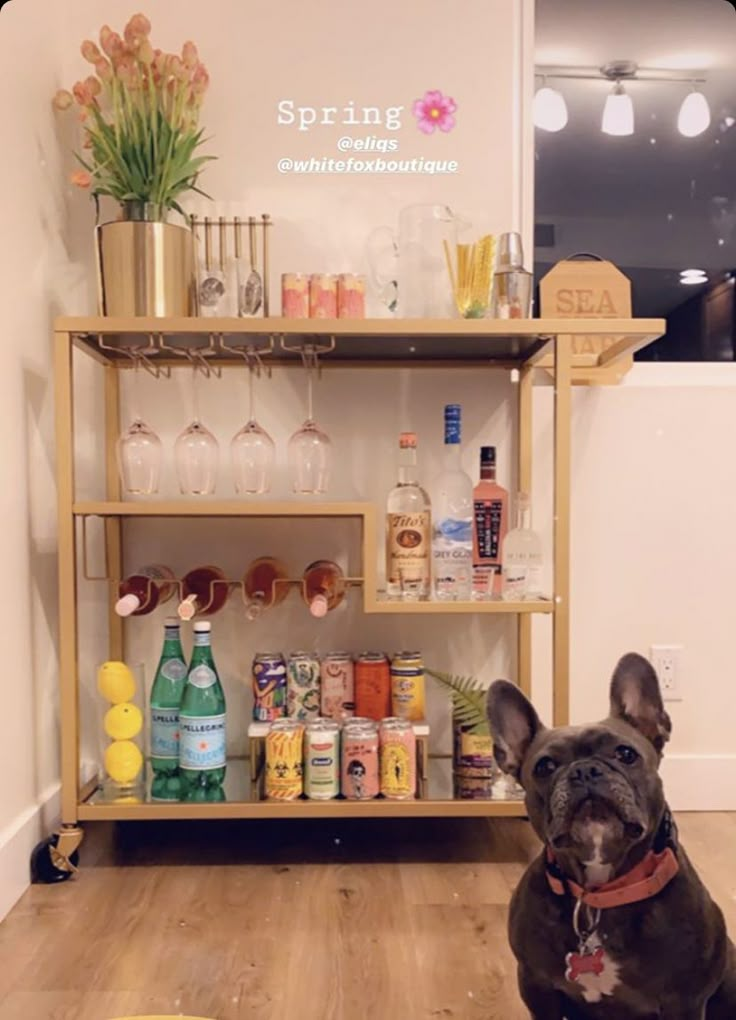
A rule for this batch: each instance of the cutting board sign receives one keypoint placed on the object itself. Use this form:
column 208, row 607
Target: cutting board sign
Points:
column 591, row 289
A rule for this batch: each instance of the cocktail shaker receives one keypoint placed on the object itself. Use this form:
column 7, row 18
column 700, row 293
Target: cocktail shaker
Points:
column 512, row 284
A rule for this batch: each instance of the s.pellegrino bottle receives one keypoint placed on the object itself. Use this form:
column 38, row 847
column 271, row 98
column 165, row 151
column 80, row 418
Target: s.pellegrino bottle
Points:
column 166, row 695
column 452, row 534
column 202, row 723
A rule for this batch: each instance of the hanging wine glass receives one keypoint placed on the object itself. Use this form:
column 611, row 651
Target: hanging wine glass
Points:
column 310, row 450
column 252, row 450
column 138, row 450
column 197, row 453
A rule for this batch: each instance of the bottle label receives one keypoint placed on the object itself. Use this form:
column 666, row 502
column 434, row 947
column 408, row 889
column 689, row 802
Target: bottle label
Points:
column 174, row 669
column 201, row 638
column 202, row 676
column 515, row 580
column 488, row 515
column 165, row 733
column 202, row 742
column 408, row 541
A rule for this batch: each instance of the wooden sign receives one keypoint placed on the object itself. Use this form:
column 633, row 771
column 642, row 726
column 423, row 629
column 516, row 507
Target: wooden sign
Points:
column 593, row 289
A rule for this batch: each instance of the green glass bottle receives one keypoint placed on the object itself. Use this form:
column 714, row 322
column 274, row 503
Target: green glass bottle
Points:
column 202, row 722
column 166, row 695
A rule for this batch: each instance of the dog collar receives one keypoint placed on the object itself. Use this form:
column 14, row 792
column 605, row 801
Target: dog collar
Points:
column 645, row 880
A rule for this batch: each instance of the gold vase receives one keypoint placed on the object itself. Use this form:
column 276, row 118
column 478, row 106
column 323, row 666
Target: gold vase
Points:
column 145, row 266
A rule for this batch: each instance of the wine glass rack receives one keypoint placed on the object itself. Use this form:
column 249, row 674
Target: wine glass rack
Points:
column 532, row 349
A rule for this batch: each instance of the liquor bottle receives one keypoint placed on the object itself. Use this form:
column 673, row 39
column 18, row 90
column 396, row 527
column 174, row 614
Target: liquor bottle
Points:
column 202, row 758
column 452, row 533
column 260, row 588
column 490, row 523
column 521, row 574
column 408, row 529
column 166, row 695
column 149, row 587
column 323, row 587
column 204, row 591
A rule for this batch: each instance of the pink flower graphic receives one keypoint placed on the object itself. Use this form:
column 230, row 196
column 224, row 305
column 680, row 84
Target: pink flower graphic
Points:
column 434, row 110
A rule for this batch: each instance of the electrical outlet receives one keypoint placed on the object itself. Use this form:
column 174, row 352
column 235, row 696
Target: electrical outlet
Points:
column 666, row 660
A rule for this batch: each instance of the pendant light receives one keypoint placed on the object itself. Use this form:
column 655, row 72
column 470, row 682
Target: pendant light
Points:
column 694, row 116
column 618, row 113
column 550, row 109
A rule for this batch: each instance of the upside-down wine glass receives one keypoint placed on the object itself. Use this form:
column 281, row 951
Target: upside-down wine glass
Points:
column 310, row 450
column 252, row 450
column 138, row 449
column 196, row 452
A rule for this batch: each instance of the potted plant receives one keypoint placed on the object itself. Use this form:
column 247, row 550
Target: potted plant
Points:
column 140, row 114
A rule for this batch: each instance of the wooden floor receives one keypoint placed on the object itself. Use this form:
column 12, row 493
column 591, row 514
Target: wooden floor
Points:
column 385, row 921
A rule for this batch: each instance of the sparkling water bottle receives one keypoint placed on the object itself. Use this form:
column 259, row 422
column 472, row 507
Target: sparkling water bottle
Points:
column 166, row 695
column 202, row 723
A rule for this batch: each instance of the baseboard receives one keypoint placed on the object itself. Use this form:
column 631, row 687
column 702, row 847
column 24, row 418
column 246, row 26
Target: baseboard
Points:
column 700, row 782
column 17, row 841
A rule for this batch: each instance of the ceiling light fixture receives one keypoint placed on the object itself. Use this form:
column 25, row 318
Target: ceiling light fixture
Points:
column 550, row 109
column 694, row 116
column 693, row 281
column 618, row 113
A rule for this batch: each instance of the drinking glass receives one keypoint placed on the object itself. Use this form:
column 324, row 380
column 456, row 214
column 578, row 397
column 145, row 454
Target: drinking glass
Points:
column 138, row 450
column 252, row 450
column 310, row 452
column 197, row 453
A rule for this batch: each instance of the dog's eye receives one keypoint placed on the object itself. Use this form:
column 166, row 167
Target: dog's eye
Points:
column 544, row 767
column 627, row 754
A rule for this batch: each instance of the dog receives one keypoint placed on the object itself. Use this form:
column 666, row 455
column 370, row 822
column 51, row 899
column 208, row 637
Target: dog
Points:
column 611, row 921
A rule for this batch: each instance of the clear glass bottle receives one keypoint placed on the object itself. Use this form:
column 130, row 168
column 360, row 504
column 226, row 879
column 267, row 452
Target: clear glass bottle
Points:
column 166, row 695
column 408, row 529
column 202, row 759
column 205, row 591
column 261, row 587
column 140, row 593
column 323, row 587
column 452, row 532
column 522, row 557
column 490, row 523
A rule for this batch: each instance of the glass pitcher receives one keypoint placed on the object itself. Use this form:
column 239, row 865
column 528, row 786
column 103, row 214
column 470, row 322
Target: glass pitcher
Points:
column 409, row 267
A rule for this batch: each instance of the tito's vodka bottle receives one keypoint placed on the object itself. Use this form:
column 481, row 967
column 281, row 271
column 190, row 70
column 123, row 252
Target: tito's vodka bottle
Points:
column 408, row 529
column 452, row 534
column 490, row 512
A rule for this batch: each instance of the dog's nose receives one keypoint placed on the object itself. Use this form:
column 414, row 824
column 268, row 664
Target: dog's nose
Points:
column 586, row 774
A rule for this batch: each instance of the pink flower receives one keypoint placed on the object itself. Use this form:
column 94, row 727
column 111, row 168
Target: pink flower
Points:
column 62, row 100
column 200, row 80
column 81, row 178
column 434, row 111
column 92, row 86
column 189, row 55
column 111, row 42
column 103, row 69
column 126, row 71
column 145, row 53
column 90, row 51
column 83, row 93
column 137, row 29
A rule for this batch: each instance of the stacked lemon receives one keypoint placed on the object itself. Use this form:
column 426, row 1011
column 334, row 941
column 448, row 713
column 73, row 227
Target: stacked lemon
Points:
column 122, row 723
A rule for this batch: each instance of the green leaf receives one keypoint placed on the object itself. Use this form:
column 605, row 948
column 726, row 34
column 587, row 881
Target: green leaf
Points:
column 468, row 699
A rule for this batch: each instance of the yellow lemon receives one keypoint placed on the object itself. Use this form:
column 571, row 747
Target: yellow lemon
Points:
column 123, row 722
column 115, row 682
column 123, row 761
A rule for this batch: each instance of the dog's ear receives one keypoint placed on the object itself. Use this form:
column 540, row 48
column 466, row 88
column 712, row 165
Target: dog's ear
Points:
column 636, row 698
column 514, row 724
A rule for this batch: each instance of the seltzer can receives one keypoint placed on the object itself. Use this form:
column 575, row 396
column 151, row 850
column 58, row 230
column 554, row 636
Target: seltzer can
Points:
column 360, row 779
column 284, row 760
column 322, row 759
column 373, row 685
column 398, row 762
column 338, row 686
column 269, row 686
column 303, row 686
column 407, row 686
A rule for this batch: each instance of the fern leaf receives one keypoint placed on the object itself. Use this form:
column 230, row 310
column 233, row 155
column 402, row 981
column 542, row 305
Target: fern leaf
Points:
column 468, row 699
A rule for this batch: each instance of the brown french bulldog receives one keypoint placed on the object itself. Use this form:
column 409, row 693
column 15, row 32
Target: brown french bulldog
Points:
column 611, row 922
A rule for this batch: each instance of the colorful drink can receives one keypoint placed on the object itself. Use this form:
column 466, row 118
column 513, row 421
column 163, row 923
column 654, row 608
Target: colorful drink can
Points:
column 295, row 295
column 350, row 296
column 473, row 767
column 398, row 759
column 284, row 760
column 360, row 780
column 302, row 686
column 373, row 685
column 322, row 760
column 269, row 686
column 322, row 296
column 337, row 696
column 407, row 686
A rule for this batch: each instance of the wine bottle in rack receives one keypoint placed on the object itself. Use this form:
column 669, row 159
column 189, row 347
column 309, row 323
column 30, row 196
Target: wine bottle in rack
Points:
column 323, row 587
column 204, row 592
column 147, row 588
column 263, row 585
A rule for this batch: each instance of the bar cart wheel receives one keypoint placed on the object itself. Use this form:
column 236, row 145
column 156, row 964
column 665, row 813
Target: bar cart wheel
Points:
column 56, row 858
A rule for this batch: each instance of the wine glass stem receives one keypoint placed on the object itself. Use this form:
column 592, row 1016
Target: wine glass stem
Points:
column 195, row 395
column 310, row 402
column 135, row 392
column 251, row 394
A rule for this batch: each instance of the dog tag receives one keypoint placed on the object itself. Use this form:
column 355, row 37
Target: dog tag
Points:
column 586, row 961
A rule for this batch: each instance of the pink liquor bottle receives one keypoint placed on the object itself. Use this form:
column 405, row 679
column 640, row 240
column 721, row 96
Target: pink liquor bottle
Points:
column 490, row 523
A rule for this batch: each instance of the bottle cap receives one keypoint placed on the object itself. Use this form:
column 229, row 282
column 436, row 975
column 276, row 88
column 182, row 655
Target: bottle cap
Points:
column 408, row 440
column 488, row 456
column 510, row 252
column 318, row 606
column 172, row 621
column 127, row 605
column 202, row 627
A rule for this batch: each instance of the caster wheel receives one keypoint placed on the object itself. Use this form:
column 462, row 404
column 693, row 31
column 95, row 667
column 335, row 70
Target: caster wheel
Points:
column 47, row 865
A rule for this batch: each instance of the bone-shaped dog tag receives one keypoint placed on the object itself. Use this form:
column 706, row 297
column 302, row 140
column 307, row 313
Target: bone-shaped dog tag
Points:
column 584, row 962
